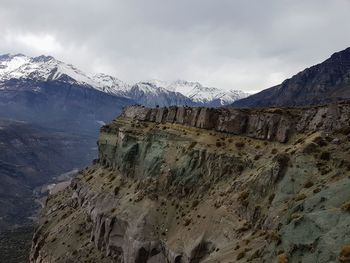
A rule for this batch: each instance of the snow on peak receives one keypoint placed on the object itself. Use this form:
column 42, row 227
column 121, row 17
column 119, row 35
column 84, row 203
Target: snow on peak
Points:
column 46, row 68
column 111, row 85
column 199, row 93
column 39, row 68
column 10, row 63
column 150, row 87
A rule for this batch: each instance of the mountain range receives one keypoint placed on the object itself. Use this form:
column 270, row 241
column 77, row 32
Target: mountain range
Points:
column 148, row 93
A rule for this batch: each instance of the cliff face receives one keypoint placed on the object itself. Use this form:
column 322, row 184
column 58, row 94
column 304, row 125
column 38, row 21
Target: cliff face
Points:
column 207, row 185
column 268, row 124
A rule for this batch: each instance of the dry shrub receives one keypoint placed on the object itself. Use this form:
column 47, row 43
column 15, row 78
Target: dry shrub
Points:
column 239, row 144
column 308, row 184
column 344, row 255
column 240, row 255
column 320, row 141
column 346, row 207
column 282, row 258
column 300, row 197
column 325, row 156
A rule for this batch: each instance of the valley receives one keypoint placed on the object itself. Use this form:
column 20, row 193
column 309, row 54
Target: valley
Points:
column 31, row 156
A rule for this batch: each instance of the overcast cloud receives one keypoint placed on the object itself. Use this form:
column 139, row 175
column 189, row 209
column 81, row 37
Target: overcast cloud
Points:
column 246, row 44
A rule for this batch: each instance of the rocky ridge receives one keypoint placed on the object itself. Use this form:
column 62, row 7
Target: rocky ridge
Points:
column 182, row 185
column 326, row 82
column 269, row 124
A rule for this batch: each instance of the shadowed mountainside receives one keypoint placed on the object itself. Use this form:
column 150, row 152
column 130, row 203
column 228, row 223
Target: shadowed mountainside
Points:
column 323, row 83
column 29, row 157
column 58, row 104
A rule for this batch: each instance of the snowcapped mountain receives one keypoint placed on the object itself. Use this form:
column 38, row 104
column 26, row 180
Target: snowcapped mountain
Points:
column 201, row 95
column 42, row 68
column 110, row 85
column 46, row 91
column 149, row 93
column 206, row 95
column 47, row 68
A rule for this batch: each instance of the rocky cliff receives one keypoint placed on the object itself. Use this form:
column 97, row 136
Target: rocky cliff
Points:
column 208, row 185
column 272, row 124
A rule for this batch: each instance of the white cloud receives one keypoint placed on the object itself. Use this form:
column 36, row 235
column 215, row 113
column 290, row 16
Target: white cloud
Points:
column 244, row 44
column 39, row 43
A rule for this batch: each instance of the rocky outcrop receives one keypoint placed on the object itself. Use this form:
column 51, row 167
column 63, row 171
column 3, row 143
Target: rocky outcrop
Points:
column 267, row 124
column 193, row 185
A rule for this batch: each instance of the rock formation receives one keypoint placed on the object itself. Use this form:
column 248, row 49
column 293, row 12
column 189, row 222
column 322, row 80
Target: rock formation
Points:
column 197, row 185
column 272, row 124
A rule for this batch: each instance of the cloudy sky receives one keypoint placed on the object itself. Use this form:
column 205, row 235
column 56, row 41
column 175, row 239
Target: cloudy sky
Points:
column 246, row 44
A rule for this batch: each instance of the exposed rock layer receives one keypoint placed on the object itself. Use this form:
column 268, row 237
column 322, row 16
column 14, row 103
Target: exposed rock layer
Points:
column 269, row 124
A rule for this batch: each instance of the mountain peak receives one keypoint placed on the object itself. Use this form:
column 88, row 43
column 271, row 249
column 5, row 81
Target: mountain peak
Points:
column 340, row 57
column 43, row 58
column 345, row 51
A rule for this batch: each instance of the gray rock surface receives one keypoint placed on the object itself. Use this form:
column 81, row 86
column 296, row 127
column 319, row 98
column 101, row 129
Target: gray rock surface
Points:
column 267, row 124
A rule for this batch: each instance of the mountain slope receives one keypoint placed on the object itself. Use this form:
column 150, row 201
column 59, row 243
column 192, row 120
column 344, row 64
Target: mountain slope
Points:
column 58, row 104
column 326, row 82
